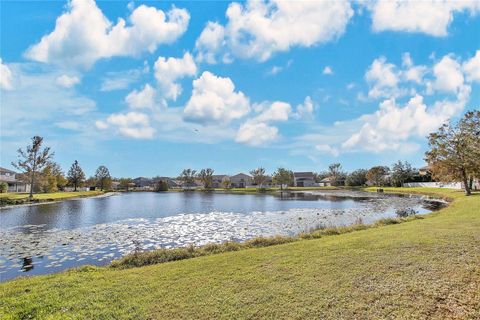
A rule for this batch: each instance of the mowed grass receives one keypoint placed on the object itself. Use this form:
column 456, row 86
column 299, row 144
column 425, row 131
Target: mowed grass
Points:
column 423, row 269
column 50, row 196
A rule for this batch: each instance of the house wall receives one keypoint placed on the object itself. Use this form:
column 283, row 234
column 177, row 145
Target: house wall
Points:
column 238, row 181
column 304, row 182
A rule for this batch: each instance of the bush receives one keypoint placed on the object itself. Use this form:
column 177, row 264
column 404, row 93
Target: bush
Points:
column 143, row 258
column 161, row 186
column 3, row 187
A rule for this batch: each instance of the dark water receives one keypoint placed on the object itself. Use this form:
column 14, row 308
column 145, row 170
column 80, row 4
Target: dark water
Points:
column 51, row 237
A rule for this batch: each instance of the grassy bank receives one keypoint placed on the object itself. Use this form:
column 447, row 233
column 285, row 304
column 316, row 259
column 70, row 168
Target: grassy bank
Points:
column 22, row 198
column 426, row 268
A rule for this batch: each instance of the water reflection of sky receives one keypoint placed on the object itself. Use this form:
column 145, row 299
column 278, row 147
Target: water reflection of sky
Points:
column 52, row 237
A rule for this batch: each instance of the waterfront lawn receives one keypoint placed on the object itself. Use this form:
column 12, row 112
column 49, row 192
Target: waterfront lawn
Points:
column 423, row 269
column 50, row 196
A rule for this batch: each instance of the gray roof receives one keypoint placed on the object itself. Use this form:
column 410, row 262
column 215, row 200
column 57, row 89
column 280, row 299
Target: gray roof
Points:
column 7, row 170
column 241, row 175
column 303, row 175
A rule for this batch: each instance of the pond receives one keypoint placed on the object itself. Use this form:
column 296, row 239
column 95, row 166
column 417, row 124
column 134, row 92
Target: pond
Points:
column 51, row 237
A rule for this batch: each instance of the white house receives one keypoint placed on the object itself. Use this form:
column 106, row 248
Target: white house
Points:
column 304, row 179
column 241, row 180
column 14, row 184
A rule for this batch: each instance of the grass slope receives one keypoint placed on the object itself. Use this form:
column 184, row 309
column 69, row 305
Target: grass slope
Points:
column 52, row 195
column 423, row 269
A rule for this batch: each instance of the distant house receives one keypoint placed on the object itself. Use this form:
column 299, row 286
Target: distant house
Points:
column 423, row 171
column 330, row 181
column 11, row 179
column 241, row 180
column 326, row 182
column 304, row 179
column 172, row 184
column 218, row 180
column 115, row 185
column 143, row 183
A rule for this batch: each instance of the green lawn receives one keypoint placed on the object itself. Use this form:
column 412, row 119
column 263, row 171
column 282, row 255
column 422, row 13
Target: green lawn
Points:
column 423, row 269
column 50, row 196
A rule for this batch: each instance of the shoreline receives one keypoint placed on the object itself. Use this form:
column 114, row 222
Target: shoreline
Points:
column 50, row 201
column 310, row 233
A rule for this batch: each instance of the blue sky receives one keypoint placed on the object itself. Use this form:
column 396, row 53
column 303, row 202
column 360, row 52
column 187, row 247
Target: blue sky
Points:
column 149, row 88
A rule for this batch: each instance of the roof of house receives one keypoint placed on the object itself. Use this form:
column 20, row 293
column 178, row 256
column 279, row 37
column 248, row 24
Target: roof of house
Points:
column 6, row 170
column 142, row 178
column 303, row 175
column 219, row 176
column 241, row 175
column 327, row 179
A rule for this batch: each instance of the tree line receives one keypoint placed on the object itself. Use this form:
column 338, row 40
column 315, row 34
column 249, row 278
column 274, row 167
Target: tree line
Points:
column 39, row 170
column 454, row 155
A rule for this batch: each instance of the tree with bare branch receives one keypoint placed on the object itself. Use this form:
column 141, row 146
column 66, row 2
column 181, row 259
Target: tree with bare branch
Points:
column 33, row 160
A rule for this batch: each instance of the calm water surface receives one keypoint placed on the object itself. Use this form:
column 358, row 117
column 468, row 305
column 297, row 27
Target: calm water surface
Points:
column 52, row 237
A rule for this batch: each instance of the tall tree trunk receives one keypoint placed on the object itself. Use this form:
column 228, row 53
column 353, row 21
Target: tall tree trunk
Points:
column 465, row 183
column 32, row 180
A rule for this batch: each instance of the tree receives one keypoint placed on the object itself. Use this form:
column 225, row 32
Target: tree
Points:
column 125, row 183
column 3, row 187
column 161, row 186
column 226, row 183
column 377, row 174
column 259, row 176
column 103, row 178
column 206, row 176
column 75, row 175
column 50, row 179
column 336, row 174
column 401, row 172
column 356, row 178
column 187, row 177
column 57, row 172
column 90, row 182
column 47, row 180
column 33, row 160
column 455, row 150
column 319, row 176
column 283, row 177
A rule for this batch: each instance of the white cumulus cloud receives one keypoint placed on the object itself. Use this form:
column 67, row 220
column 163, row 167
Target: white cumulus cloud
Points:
column 431, row 17
column 382, row 78
column 390, row 127
column 255, row 133
column 448, row 75
column 258, row 29
column 167, row 71
column 276, row 111
column 6, row 77
column 83, row 34
column 132, row 124
column 472, row 67
column 142, row 99
column 214, row 100
column 327, row 70
column 67, row 81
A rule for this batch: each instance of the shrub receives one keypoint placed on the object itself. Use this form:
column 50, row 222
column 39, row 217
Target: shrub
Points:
column 161, row 186
column 3, row 187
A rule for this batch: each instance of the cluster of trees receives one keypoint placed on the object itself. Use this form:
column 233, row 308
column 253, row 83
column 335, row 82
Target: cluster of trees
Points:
column 454, row 153
column 43, row 174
